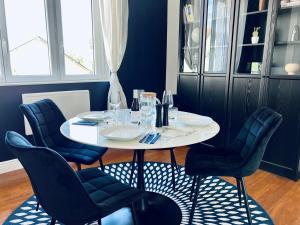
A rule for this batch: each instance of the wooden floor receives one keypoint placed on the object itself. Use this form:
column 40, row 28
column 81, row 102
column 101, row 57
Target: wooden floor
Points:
column 279, row 196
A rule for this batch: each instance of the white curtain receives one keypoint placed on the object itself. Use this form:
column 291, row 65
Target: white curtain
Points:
column 114, row 23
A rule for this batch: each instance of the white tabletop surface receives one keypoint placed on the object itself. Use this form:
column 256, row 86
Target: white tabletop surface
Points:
column 91, row 135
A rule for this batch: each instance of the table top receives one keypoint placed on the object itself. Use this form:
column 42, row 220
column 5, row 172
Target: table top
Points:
column 188, row 135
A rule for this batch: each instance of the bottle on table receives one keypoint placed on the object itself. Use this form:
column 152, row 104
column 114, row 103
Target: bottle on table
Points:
column 135, row 107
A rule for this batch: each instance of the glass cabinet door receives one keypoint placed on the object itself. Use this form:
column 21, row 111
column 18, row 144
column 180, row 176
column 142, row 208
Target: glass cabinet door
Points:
column 286, row 52
column 252, row 22
column 217, row 36
column 190, row 36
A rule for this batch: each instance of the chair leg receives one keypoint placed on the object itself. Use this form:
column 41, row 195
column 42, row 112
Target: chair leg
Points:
column 133, row 212
column 242, row 182
column 99, row 222
column 195, row 199
column 238, row 185
column 37, row 206
column 174, row 159
column 193, row 187
column 132, row 167
column 78, row 166
column 173, row 166
column 52, row 221
column 101, row 164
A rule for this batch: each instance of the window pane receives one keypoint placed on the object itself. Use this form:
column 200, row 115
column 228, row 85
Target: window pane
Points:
column 217, row 36
column 190, row 36
column 27, row 37
column 77, row 24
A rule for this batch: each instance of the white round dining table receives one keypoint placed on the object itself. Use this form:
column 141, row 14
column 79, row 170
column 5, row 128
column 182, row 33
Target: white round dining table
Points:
column 154, row 208
column 91, row 135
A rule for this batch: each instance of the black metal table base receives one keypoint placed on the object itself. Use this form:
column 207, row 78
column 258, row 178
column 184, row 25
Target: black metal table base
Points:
column 153, row 209
column 158, row 210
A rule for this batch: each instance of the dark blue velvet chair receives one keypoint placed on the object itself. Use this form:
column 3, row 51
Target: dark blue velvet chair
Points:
column 242, row 158
column 69, row 197
column 45, row 119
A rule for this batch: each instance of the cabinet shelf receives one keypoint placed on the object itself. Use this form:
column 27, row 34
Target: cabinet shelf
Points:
column 265, row 11
column 191, row 23
column 194, row 47
column 246, row 74
column 280, row 43
column 219, row 46
column 251, row 45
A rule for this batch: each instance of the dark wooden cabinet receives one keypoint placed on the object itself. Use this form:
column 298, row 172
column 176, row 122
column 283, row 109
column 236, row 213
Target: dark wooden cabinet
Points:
column 214, row 104
column 243, row 101
column 188, row 92
column 282, row 155
column 235, row 74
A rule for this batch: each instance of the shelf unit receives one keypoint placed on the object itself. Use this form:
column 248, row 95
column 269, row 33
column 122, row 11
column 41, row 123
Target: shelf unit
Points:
column 286, row 51
column 228, row 92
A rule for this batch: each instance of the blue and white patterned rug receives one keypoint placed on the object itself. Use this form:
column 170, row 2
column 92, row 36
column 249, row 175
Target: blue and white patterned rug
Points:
column 218, row 201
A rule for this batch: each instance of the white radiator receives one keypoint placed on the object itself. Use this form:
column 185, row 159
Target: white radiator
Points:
column 71, row 103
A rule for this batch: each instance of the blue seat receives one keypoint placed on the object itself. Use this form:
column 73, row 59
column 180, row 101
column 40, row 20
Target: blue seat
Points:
column 45, row 119
column 242, row 158
column 67, row 196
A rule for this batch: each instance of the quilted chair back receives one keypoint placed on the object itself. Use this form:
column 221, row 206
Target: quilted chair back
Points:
column 254, row 136
column 56, row 186
column 45, row 119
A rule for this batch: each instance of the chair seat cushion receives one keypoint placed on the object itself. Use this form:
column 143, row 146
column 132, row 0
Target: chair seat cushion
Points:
column 209, row 161
column 107, row 192
column 79, row 153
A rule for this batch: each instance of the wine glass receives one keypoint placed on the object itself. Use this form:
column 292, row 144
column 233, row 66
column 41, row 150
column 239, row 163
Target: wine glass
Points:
column 114, row 105
column 168, row 98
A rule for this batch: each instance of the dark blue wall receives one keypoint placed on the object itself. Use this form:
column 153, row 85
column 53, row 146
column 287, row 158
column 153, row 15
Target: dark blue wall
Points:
column 144, row 64
column 143, row 67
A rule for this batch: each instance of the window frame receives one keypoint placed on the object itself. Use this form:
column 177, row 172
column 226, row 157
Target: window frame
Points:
column 56, row 50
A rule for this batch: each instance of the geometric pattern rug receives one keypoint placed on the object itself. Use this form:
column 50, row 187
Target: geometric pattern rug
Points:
column 218, row 202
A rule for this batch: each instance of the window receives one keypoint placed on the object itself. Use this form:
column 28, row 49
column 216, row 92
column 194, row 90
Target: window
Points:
column 78, row 36
column 46, row 40
column 27, row 37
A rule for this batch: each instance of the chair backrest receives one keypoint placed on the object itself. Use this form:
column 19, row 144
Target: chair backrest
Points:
column 254, row 136
column 57, row 187
column 45, row 119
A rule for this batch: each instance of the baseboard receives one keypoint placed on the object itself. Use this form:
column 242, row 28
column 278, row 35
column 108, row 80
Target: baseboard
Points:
column 279, row 170
column 10, row 165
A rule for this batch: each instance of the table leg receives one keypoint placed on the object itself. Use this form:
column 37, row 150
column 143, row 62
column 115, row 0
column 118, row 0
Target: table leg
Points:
column 154, row 208
column 140, row 165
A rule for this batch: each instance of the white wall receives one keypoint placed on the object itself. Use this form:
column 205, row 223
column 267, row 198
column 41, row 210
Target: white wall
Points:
column 172, row 45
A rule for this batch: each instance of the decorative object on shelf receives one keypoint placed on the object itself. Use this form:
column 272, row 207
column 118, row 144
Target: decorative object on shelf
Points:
column 295, row 33
column 189, row 14
column 255, row 68
column 262, row 5
column 195, row 35
column 292, row 68
column 255, row 37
